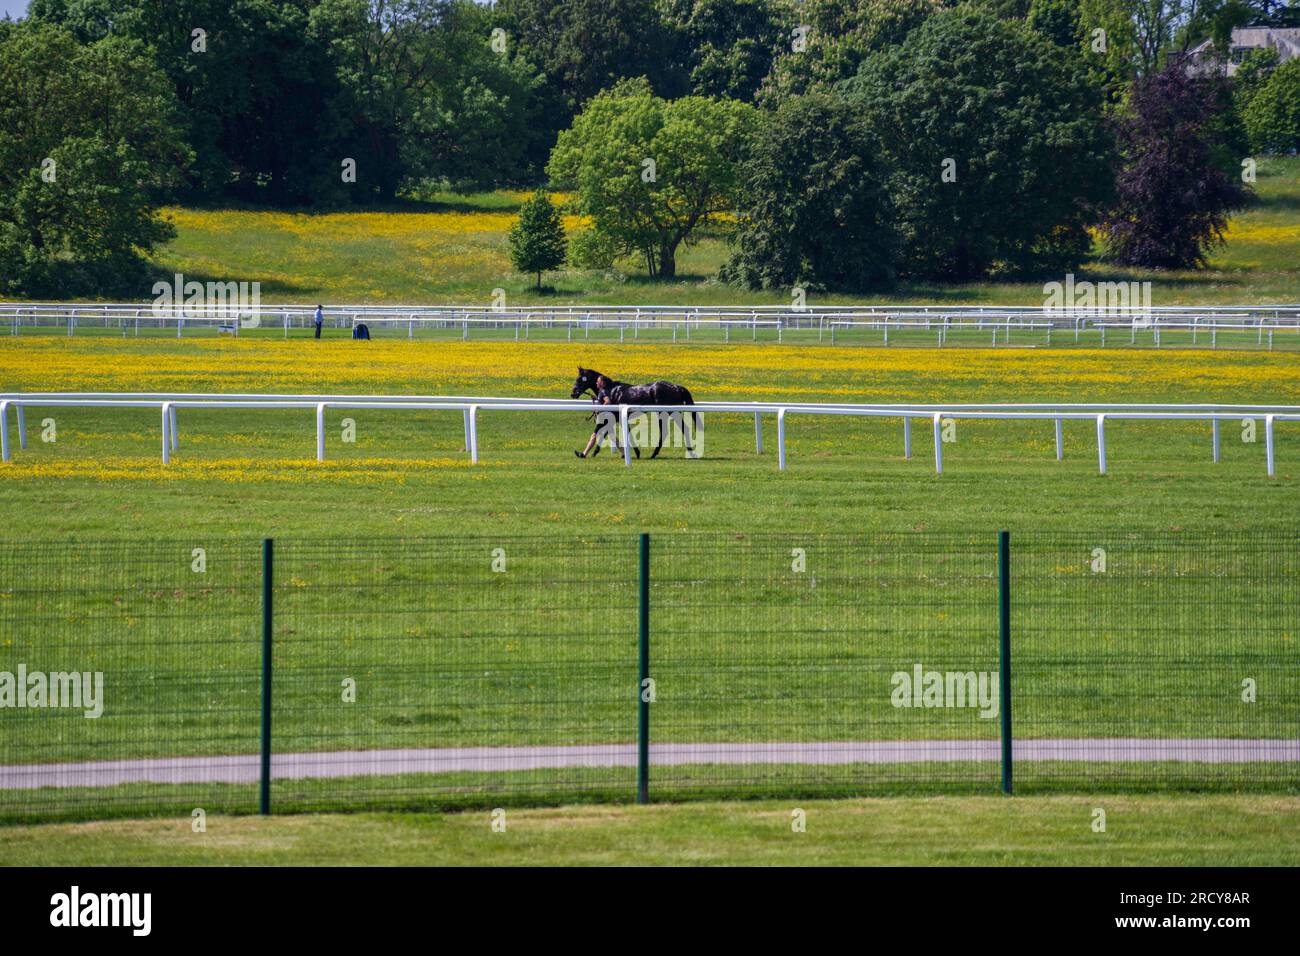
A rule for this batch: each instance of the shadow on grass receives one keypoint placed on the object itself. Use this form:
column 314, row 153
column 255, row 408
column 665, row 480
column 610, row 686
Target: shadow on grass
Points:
column 269, row 288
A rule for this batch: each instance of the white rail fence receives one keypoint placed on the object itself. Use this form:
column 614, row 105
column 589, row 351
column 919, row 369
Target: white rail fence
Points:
column 828, row 322
column 168, row 404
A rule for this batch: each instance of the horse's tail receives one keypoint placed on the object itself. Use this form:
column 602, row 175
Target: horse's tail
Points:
column 688, row 399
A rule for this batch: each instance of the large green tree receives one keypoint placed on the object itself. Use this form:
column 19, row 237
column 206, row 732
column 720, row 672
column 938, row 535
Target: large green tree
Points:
column 814, row 208
column 649, row 171
column 997, row 144
column 89, row 142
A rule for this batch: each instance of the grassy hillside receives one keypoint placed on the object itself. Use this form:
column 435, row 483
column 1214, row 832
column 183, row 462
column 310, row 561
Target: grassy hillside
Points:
column 452, row 248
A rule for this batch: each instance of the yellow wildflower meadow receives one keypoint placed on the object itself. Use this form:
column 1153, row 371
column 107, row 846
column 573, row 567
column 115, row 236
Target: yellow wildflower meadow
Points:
column 401, row 366
column 364, row 470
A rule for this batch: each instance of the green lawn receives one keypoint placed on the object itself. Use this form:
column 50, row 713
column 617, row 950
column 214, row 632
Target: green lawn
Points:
column 447, row 653
column 974, row 831
column 452, row 248
column 545, row 654
column 407, row 474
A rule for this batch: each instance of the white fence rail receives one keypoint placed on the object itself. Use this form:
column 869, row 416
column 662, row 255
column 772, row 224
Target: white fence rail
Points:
column 1032, row 325
column 470, row 408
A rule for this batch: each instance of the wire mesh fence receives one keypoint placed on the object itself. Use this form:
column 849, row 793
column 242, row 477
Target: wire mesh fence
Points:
column 1157, row 659
column 490, row 671
column 791, row 662
column 453, row 670
column 128, row 678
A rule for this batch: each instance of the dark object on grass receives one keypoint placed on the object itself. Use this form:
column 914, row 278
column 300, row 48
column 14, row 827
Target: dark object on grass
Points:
column 361, row 331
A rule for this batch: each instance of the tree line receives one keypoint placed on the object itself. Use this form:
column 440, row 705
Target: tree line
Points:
column 842, row 143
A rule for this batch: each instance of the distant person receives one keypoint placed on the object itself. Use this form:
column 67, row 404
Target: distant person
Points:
column 319, row 319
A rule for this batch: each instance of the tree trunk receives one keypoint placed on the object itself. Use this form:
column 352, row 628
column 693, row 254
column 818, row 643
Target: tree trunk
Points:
column 667, row 262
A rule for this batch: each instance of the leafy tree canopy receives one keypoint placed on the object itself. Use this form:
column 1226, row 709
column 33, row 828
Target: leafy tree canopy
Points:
column 1173, row 197
column 86, row 151
column 1273, row 115
column 649, row 171
column 834, row 38
column 997, row 145
column 727, row 47
column 814, row 211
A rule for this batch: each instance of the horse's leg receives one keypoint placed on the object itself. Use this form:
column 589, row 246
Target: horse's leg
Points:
column 636, row 449
column 659, row 420
column 687, row 437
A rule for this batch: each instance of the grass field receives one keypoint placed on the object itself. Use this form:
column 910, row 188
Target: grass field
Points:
column 95, row 475
column 452, row 248
column 406, row 473
column 967, row 831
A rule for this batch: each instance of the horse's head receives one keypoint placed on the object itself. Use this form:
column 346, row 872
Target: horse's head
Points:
column 585, row 382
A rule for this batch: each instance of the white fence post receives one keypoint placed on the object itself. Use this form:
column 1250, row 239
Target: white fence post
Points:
column 758, row 432
column 473, row 434
column 1268, row 443
column 780, row 438
column 938, row 444
column 907, row 438
column 320, row 431
column 22, row 426
column 1216, row 440
column 1060, row 441
column 171, row 425
column 4, row 431
column 166, row 437
column 1101, row 442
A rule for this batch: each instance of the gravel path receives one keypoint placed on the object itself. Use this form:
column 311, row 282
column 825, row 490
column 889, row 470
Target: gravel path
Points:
column 356, row 763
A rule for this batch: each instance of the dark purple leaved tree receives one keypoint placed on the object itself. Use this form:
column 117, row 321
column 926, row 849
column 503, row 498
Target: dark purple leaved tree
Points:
column 1174, row 189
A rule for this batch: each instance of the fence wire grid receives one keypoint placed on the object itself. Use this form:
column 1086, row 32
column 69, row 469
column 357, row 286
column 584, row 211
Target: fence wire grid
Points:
column 491, row 671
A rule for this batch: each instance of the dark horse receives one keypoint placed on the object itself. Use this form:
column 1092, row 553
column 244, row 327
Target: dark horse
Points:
column 607, row 391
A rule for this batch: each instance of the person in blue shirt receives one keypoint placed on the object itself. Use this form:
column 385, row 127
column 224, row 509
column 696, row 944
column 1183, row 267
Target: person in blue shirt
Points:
column 319, row 319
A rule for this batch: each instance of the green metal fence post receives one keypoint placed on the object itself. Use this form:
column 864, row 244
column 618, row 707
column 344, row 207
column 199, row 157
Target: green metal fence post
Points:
column 265, row 790
column 643, row 704
column 1004, row 653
